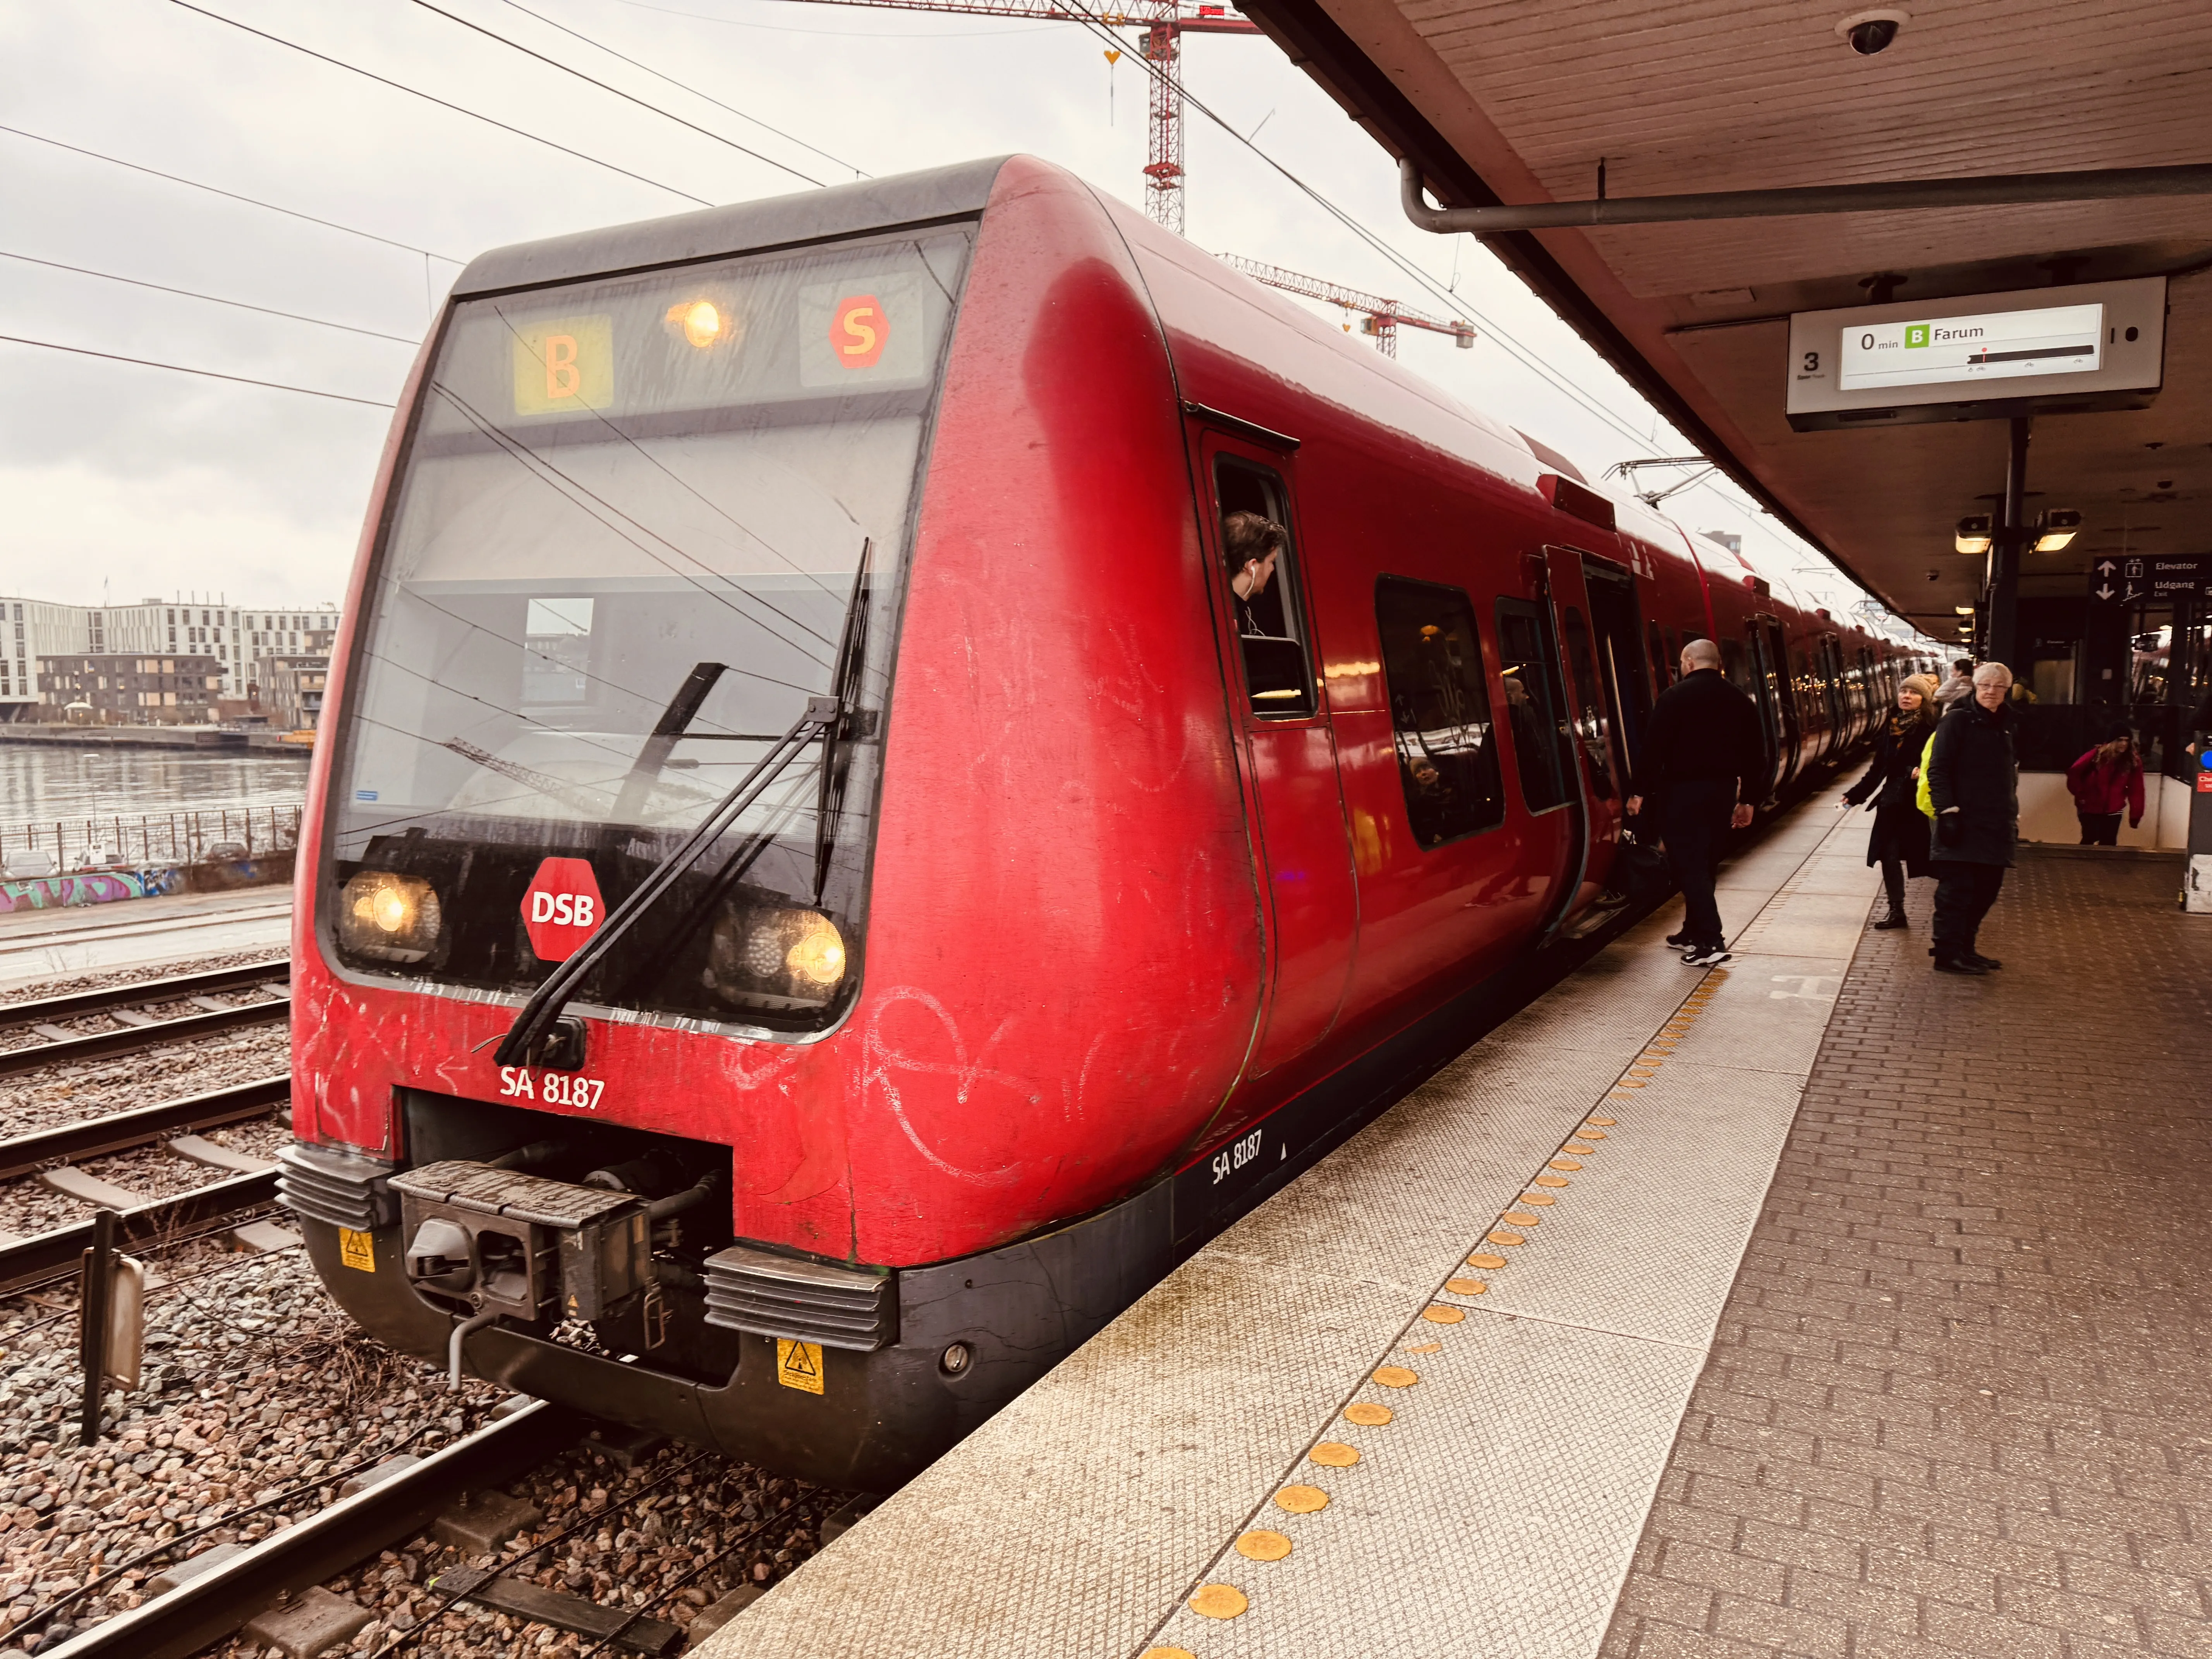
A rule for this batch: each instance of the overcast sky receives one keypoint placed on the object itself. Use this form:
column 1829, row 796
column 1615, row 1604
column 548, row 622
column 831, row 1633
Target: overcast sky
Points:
column 123, row 482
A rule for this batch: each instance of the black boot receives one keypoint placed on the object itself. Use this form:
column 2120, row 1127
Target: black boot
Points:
column 1960, row 965
column 1892, row 882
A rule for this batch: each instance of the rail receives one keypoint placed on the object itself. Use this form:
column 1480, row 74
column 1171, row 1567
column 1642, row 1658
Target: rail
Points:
column 209, row 1606
column 54, row 1253
column 100, row 1045
column 178, row 988
column 142, row 1126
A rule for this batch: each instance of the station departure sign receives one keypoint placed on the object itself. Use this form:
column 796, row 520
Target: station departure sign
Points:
column 2117, row 580
column 2090, row 345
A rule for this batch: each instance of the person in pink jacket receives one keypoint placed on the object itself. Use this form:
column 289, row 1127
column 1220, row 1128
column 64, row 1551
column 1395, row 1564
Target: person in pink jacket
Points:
column 2105, row 782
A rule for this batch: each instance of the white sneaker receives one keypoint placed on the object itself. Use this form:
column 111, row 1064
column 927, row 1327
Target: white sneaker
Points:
column 1706, row 956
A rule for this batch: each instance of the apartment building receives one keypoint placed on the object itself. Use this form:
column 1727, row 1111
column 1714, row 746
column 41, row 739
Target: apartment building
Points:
column 233, row 637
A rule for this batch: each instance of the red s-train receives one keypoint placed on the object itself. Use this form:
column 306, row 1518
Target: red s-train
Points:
column 818, row 892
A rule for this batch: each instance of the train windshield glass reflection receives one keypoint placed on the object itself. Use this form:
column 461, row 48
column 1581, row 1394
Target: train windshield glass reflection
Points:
column 610, row 485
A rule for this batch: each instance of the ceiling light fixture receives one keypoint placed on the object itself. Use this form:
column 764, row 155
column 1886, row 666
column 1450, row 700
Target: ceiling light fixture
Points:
column 1972, row 534
column 2056, row 529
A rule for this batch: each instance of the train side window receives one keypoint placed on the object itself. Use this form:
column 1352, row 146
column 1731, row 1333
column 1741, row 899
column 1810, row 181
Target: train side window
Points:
column 1663, row 660
column 1440, row 706
column 1254, row 515
column 1534, row 705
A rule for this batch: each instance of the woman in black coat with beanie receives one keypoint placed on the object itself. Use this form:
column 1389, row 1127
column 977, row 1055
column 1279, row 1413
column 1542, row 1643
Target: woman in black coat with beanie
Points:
column 1889, row 790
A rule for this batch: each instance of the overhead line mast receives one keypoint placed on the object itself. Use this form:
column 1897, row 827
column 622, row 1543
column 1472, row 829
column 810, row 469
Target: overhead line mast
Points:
column 1164, row 23
column 1380, row 318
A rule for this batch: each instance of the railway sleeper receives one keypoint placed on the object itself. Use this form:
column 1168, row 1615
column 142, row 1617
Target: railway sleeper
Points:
column 563, row 1611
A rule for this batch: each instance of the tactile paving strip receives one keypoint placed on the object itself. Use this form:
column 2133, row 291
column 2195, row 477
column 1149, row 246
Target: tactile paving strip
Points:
column 1090, row 1514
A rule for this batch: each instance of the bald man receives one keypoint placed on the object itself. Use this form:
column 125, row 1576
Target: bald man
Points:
column 1704, row 759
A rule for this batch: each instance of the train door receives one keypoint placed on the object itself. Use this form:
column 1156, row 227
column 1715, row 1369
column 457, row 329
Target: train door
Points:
column 1623, row 681
column 1589, row 723
column 1305, row 854
column 1770, row 668
column 1831, row 690
column 1543, row 739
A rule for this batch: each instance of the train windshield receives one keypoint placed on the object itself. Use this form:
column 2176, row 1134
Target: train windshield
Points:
column 641, row 521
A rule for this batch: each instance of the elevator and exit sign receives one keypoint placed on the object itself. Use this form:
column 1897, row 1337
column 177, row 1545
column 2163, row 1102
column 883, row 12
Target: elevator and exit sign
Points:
column 2147, row 581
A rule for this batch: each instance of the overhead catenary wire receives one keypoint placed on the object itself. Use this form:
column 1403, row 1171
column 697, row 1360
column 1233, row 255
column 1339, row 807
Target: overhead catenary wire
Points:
column 431, row 97
column 232, row 195
column 628, row 97
column 212, row 299
column 181, row 368
column 1098, row 26
column 685, row 85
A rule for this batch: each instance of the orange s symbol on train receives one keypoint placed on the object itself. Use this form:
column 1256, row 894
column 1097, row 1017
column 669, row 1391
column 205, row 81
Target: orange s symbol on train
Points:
column 859, row 330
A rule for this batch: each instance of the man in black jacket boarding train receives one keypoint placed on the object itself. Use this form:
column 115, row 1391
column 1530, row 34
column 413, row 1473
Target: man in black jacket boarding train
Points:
column 1703, row 757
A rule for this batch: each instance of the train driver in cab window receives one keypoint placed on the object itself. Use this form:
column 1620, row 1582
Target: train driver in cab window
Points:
column 1254, row 543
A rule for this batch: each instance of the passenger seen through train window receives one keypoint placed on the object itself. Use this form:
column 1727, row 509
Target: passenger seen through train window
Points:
column 1254, row 543
column 1440, row 709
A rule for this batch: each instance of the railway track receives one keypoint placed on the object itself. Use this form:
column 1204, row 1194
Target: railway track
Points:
column 135, row 1030
column 395, row 1501
column 26, row 1262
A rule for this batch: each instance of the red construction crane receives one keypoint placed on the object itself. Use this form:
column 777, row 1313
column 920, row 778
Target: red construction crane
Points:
column 1379, row 317
column 1164, row 23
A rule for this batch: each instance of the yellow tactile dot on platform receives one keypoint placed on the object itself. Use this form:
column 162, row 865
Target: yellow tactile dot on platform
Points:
column 1522, row 1218
column 1168, row 1653
column 1629, row 1082
column 1501, row 1237
column 1442, row 1313
column 1466, row 1287
column 1263, row 1546
column 1484, row 1259
column 1578, row 1149
column 1553, row 1180
column 1368, row 1414
column 1602, row 1122
column 1218, row 1602
column 1542, row 1200
column 1395, row 1376
column 1563, row 1164
column 1425, row 1347
column 1334, row 1455
column 1295, row 1500
column 1588, row 1134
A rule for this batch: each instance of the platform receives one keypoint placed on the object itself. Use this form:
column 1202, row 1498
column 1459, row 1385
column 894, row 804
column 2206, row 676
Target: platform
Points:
column 44, row 944
column 1344, row 1428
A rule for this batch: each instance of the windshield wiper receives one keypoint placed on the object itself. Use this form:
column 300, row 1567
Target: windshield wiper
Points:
column 844, row 686
column 830, row 719
column 538, row 1015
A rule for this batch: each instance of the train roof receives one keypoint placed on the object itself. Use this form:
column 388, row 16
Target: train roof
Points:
column 934, row 195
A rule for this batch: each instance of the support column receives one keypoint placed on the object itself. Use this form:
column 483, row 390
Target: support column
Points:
column 2002, row 636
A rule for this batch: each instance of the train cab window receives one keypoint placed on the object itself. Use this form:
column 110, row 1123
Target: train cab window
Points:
column 1258, row 550
column 1534, row 707
column 1596, row 742
column 1440, row 709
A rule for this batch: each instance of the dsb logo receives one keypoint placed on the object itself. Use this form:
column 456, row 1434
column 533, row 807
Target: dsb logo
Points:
column 561, row 907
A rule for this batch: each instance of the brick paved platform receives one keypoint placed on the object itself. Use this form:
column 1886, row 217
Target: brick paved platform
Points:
column 1959, row 1403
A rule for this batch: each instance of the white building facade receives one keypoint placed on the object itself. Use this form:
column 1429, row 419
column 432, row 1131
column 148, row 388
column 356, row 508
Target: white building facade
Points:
column 234, row 636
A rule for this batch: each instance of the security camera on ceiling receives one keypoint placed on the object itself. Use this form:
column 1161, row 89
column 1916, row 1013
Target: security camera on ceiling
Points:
column 1871, row 32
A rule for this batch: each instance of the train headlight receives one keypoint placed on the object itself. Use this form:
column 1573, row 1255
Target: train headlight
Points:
column 390, row 917
column 777, row 958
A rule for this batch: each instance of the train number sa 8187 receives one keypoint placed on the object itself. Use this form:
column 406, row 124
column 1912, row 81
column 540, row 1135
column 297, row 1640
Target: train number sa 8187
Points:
column 1236, row 1156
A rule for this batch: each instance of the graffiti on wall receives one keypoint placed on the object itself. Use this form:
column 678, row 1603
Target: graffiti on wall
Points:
column 88, row 887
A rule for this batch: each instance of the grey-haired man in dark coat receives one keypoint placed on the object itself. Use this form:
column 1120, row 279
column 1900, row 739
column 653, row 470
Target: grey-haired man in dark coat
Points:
column 1973, row 783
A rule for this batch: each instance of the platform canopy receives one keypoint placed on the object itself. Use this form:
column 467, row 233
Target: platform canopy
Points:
column 1519, row 101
